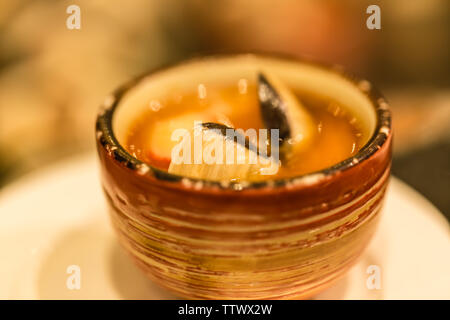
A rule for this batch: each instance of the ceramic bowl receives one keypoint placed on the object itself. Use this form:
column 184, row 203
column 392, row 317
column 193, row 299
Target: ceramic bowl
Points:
column 277, row 239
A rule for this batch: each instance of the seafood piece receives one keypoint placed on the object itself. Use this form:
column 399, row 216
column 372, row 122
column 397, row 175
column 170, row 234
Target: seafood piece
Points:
column 161, row 144
column 214, row 151
column 280, row 109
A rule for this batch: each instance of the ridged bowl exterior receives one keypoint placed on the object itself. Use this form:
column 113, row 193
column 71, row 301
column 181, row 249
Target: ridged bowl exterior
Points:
column 271, row 243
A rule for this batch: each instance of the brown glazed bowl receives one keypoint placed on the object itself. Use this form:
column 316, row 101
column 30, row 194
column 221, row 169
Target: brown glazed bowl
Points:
column 279, row 239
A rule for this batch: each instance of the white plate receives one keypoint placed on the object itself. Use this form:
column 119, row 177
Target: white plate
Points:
column 56, row 218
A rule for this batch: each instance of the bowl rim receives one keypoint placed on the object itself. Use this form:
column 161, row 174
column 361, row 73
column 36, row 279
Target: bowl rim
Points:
column 107, row 139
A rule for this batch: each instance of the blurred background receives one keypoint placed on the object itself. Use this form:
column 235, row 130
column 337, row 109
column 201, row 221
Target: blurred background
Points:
column 53, row 79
